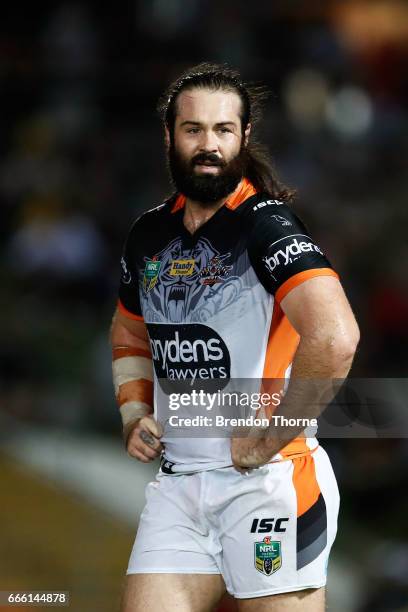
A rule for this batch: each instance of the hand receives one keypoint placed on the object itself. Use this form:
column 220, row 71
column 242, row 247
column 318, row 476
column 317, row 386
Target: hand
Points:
column 143, row 441
column 251, row 452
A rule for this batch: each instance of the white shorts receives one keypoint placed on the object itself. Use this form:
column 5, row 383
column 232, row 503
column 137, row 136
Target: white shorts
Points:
column 268, row 531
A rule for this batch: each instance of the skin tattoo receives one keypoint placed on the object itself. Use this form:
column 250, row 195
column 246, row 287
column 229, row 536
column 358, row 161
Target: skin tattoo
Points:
column 147, row 438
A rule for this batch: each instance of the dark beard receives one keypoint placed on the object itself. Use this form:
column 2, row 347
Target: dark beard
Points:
column 205, row 189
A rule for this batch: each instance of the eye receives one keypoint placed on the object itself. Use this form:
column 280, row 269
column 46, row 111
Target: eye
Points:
column 193, row 130
column 224, row 130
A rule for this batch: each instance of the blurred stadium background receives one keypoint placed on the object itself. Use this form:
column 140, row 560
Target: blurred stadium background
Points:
column 82, row 156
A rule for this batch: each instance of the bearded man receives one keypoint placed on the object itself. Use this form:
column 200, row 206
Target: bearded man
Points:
column 221, row 283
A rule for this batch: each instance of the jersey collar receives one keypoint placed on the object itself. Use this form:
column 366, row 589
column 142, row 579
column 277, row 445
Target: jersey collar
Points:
column 244, row 191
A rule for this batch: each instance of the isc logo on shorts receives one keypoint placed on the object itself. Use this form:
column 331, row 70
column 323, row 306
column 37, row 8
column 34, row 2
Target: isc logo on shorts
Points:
column 266, row 525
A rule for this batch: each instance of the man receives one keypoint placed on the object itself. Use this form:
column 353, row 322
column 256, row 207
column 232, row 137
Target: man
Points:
column 223, row 282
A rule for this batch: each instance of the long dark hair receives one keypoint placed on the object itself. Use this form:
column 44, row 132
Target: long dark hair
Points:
column 259, row 168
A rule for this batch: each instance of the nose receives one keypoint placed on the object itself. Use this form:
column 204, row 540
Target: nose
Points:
column 209, row 142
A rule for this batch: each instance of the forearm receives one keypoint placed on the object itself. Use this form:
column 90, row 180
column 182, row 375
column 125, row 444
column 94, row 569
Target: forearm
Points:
column 132, row 380
column 132, row 375
column 317, row 362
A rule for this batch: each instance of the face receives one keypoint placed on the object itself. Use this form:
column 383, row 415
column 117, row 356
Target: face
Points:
column 207, row 151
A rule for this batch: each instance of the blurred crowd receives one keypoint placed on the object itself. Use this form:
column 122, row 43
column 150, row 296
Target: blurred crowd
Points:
column 82, row 155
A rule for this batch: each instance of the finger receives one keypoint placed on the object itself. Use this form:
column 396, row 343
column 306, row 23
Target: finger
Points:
column 149, row 439
column 152, row 426
column 135, row 454
column 145, row 450
column 242, row 469
column 150, row 452
column 141, row 438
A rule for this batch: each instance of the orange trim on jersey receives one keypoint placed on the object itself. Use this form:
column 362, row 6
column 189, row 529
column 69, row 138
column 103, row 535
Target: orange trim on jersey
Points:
column 127, row 351
column 140, row 390
column 300, row 278
column 296, row 447
column 291, row 456
column 282, row 344
column 305, row 483
column 244, row 191
column 179, row 203
column 127, row 312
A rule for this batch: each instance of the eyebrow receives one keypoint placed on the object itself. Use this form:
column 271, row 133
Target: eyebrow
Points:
column 220, row 123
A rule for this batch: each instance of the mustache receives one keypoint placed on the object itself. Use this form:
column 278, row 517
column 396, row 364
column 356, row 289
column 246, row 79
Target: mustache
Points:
column 209, row 158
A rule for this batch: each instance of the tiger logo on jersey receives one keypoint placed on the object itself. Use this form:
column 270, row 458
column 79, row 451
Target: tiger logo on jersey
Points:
column 178, row 281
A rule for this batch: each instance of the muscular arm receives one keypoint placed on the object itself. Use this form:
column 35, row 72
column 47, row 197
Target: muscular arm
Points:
column 319, row 311
column 133, row 376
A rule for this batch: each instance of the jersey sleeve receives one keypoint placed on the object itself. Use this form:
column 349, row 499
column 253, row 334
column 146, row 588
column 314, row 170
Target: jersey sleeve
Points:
column 282, row 251
column 129, row 298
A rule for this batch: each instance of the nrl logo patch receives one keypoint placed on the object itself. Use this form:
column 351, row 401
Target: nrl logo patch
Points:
column 151, row 273
column 182, row 267
column 268, row 556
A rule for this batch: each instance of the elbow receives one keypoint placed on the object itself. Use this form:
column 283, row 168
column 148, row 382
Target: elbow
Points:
column 116, row 331
column 352, row 340
column 112, row 333
column 343, row 346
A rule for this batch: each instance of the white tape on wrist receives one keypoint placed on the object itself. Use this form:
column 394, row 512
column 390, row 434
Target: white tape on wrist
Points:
column 130, row 411
column 128, row 369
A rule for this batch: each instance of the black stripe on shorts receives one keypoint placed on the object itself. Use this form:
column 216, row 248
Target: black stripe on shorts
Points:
column 311, row 533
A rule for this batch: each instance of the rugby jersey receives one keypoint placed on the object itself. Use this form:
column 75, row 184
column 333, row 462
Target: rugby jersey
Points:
column 211, row 305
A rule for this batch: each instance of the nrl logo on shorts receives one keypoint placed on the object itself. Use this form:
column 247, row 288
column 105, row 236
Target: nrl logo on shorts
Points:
column 268, row 557
column 151, row 273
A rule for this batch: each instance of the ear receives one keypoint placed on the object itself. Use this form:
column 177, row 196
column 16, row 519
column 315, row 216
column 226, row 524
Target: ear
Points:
column 247, row 133
column 166, row 137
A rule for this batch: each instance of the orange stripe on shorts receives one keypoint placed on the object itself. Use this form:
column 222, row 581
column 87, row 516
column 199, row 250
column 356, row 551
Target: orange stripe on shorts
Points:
column 305, row 483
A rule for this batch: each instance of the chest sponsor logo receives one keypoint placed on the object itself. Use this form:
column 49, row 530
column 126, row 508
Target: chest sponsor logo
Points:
column 216, row 271
column 288, row 250
column 151, row 274
column 268, row 556
column 188, row 353
column 182, row 267
column 267, row 203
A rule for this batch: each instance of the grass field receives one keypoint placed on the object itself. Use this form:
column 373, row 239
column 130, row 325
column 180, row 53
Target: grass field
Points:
column 51, row 540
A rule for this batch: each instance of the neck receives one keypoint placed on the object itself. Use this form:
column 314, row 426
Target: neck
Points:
column 205, row 207
column 197, row 213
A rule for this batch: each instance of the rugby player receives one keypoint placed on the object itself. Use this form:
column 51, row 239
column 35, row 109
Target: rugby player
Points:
column 220, row 282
